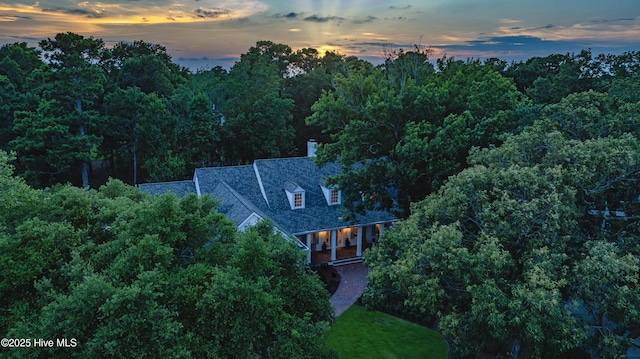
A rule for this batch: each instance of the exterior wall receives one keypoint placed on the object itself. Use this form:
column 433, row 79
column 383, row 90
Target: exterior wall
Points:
column 318, row 238
column 323, row 237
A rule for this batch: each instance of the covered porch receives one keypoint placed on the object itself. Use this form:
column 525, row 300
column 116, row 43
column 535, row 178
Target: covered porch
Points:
column 338, row 245
column 341, row 253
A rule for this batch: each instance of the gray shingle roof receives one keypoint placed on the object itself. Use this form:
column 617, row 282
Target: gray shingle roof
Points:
column 290, row 186
column 232, row 204
column 239, row 191
column 180, row 188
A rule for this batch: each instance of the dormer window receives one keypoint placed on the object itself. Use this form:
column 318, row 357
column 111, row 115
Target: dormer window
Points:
column 331, row 195
column 295, row 195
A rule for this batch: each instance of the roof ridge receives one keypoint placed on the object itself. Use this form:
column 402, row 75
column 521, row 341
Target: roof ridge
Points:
column 281, row 158
column 164, row 182
column 264, row 193
column 219, row 167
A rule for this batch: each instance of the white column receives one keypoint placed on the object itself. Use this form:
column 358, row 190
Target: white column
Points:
column 381, row 230
column 309, row 246
column 333, row 245
column 359, row 242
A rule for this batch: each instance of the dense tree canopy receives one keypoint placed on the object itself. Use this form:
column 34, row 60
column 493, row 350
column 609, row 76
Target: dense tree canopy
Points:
column 525, row 251
column 401, row 130
column 129, row 275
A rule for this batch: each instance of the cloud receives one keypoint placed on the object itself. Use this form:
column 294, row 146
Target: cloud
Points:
column 357, row 20
column 365, row 20
column 393, row 7
column 291, row 15
column 12, row 18
column 210, row 14
column 203, row 58
column 509, row 45
column 543, row 27
column 316, row 18
column 127, row 12
column 623, row 19
column 74, row 11
column 383, row 45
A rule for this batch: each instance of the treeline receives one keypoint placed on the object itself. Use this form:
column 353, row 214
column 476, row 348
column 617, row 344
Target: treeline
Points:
column 74, row 103
column 76, row 111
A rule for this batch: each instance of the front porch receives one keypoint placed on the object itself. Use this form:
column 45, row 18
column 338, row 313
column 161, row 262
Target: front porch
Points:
column 341, row 253
column 338, row 246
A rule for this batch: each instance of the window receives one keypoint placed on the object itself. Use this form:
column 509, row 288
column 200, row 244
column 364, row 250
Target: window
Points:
column 335, row 198
column 297, row 200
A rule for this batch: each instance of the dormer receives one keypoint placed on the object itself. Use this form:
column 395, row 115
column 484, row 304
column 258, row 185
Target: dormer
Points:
column 333, row 196
column 295, row 194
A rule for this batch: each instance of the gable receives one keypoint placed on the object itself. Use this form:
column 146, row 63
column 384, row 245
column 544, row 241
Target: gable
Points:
column 252, row 220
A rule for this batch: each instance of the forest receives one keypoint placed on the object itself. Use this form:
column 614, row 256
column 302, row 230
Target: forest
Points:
column 516, row 183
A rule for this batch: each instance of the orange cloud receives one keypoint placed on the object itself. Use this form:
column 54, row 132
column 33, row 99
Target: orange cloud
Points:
column 135, row 12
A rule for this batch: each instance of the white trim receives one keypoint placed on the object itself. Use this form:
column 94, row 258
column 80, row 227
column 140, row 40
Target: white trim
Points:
column 197, row 183
column 308, row 244
column 264, row 194
column 251, row 220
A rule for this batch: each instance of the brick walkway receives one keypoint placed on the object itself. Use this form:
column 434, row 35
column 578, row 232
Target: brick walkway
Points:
column 353, row 280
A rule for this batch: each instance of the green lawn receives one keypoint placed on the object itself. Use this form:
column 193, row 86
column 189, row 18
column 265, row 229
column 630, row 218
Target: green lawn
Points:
column 359, row 333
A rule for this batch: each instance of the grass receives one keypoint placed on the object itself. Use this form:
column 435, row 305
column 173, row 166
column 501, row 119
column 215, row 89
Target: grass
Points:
column 359, row 333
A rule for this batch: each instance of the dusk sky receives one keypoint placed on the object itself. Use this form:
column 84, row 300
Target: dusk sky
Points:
column 206, row 33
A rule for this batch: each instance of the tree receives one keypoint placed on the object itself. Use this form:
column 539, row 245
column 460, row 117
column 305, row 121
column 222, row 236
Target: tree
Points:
column 17, row 64
column 305, row 89
column 548, row 79
column 400, row 132
column 145, row 136
column 149, row 73
column 280, row 54
column 49, row 145
column 123, row 109
column 77, row 81
column 199, row 123
column 258, row 115
column 156, row 139
column 264, row 131
column 486, row 256
column 161, row 73
column 7, row 103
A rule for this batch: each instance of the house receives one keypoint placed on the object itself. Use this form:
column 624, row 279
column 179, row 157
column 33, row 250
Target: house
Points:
column 292, row 193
